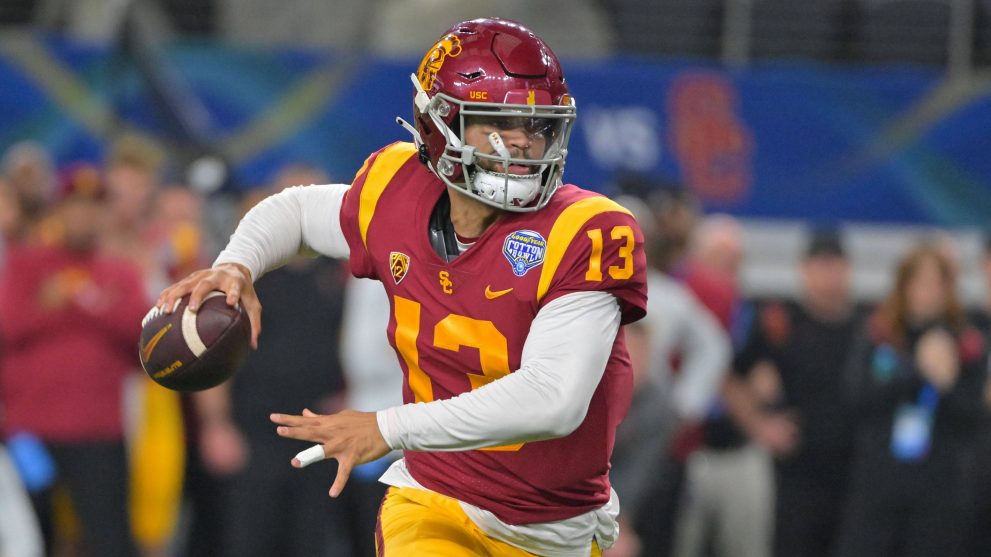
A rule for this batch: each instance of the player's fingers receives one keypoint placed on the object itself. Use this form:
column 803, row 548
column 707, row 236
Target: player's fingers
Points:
column 168, row 298
column 344, row 465
column 289, row 420
column 254, row 309
column 301, row 433
column 202, row 288
column 308, row 413
column 304, row 458
column 233, row 294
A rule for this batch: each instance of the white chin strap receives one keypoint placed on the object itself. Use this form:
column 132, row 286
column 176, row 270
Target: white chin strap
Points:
column 517, row 190
column 513, row 189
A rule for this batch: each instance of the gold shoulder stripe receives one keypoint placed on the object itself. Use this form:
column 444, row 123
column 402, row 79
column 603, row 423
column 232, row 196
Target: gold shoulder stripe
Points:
column 567, row 225
column 364, row 167
column 380, row 174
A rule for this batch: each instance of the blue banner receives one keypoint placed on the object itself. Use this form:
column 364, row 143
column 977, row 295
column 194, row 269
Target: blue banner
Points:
column 891, row 144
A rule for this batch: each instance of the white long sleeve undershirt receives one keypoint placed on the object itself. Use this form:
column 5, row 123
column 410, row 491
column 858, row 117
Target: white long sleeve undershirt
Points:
column 297, row 220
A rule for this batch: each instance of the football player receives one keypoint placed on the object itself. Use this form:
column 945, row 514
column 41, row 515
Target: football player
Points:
column 507, row 293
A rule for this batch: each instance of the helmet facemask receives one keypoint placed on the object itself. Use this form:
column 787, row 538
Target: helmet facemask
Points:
column 490, row 171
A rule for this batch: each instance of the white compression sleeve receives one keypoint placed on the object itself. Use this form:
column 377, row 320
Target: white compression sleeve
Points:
column 301, row 219
column 564, row 357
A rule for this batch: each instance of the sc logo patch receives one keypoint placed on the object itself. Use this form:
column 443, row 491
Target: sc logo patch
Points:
column 525, row 249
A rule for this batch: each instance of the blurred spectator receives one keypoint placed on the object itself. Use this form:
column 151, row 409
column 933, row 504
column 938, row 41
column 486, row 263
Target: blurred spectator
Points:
column 713, row 265
column 727, row 501
column 28, row 167
column 915, row 385
column 271, row 508
column 374, row 382
column 10, row 219
column 637, row 456
column 11, row 214
column 67, row 319
column 20, row 535
column 133, row 169
column 686, row 356
column 175, row 230
column 981, row 316
column 786, row 393
column 980, row 537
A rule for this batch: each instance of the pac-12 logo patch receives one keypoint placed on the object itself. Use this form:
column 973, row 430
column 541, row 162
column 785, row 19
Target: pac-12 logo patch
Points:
column 525, row 250
column 399, row 265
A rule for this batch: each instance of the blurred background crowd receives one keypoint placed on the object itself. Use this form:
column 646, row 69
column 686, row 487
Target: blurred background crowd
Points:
column 814, row 183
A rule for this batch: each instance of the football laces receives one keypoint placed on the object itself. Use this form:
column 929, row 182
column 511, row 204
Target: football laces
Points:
column 156, row 311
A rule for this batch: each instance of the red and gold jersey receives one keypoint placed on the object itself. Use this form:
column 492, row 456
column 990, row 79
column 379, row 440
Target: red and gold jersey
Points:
column 460, row 325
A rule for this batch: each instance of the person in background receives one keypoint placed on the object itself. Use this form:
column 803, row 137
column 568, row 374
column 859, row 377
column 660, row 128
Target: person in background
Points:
column 685, row 356
column 131, row 177
column 374, row 382
column 641, row 440
column 11, row 213
column 11, row 219
column 981, row 315
column 269, row 508
column 67, row 321
column 727, row 501
column 711, row 269
column 914, row 385
column 28, row 168
column 162, row 442
column 787, row 394
column 980, row 534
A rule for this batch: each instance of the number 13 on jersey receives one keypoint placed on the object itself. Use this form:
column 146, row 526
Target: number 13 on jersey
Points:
column 623, row 233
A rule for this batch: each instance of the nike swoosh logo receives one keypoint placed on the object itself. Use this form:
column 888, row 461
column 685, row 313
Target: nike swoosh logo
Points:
column 493, row 295
column 153, row 342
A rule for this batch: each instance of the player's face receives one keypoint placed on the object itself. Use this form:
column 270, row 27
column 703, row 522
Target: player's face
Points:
column 524, row 138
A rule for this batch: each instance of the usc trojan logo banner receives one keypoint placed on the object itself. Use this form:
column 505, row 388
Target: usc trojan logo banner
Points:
column 399, row 265
column 432, row 62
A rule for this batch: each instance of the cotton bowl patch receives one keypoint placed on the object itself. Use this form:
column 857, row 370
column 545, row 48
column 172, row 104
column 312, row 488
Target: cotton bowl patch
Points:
column 525, row 250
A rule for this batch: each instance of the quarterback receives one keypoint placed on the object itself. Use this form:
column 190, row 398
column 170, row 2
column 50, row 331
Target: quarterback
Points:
column 507, row 289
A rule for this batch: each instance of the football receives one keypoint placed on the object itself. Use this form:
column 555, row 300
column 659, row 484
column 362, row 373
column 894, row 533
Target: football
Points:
column 187, row 351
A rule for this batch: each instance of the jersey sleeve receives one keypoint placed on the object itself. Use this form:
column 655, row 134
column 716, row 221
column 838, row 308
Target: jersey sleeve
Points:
column 597, row 245
column 358, row 208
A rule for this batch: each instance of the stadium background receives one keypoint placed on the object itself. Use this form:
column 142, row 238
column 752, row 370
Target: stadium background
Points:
column 870, row 111
column 872, row 114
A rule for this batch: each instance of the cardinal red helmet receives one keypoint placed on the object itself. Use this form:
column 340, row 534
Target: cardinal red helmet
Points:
column 500, row 75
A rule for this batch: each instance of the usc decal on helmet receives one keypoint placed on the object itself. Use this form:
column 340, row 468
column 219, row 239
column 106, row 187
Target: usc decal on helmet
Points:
column 449, row 45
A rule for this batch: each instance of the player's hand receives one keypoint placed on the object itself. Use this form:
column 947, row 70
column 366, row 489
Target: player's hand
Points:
column 351, row 437
column 229, row 278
